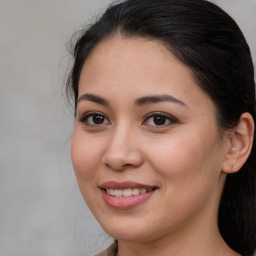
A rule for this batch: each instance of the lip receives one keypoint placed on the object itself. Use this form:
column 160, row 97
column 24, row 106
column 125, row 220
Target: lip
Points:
column 123, row 203
column 124, row 185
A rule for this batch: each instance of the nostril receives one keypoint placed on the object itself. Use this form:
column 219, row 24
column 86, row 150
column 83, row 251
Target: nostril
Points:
column 122, row 158
column 127, row 165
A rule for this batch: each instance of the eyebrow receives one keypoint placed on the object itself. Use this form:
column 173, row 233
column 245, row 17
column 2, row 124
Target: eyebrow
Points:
column 158, row 98
column 93, row 98
column 138, row 102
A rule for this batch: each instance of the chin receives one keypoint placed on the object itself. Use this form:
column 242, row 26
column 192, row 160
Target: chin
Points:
column 123, row 231
column 130, row 231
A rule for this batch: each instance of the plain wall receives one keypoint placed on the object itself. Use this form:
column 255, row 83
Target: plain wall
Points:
column 41, row 210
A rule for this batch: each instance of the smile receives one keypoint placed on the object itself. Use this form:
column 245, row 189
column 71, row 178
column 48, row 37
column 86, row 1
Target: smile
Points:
column 126, row 195
column 127, row 192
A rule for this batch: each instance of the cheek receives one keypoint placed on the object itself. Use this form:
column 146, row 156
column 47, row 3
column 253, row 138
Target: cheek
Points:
column 189, row 172
column 85, row 156
column 187, row 162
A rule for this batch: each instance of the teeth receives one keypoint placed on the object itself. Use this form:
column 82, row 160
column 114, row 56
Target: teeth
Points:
column 143, row 191
column 127, row 192
column 135, row 191
column 118, row 193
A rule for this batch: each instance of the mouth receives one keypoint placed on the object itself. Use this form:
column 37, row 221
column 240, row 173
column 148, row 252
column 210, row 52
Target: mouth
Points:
column 125, row 195
column 127, row 192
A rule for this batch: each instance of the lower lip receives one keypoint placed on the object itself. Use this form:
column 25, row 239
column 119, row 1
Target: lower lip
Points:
column 123, row 203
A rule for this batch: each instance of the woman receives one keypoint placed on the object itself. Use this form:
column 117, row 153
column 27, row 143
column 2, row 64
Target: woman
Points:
column 163, row 145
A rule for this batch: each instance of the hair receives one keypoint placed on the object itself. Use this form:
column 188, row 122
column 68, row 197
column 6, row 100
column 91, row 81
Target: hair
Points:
column 210, row 43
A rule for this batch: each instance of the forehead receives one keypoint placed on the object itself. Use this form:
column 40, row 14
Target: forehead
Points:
column 120, row 50
column 139, row 66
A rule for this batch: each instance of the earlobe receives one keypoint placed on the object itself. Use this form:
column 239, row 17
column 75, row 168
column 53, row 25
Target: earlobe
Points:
column 240, row 144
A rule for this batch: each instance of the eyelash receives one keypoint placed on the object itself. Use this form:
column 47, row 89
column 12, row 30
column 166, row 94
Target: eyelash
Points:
column 163, row 117
column 85, row 118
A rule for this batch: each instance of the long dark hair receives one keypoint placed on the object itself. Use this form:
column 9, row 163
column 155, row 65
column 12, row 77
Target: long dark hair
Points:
column 210, row 43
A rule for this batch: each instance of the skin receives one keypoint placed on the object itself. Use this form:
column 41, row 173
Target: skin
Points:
column 183, row 156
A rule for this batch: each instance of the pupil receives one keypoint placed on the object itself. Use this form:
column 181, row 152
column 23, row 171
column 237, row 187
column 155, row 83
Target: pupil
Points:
column 98, row 119
column 159, row 120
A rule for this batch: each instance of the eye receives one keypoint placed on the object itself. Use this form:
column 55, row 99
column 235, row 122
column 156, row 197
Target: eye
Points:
column 94, row 119
column 159, row 120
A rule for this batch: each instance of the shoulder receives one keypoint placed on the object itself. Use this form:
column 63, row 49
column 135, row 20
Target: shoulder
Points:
column 110, row 251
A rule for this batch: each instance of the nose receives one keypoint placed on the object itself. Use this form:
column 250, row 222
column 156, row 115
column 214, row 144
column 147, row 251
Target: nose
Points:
column 123, row 150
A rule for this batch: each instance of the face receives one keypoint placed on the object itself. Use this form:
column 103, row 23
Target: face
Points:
column 146, row 148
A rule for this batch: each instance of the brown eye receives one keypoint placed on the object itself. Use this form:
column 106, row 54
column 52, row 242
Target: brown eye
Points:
column 97, row 119
column 159, row 120
column 94, row 119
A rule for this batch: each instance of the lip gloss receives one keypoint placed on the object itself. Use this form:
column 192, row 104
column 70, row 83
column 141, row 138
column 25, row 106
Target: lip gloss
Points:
column 125, row 202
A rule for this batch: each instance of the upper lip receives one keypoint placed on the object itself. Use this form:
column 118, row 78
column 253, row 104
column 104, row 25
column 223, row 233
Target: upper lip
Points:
column 124, row 185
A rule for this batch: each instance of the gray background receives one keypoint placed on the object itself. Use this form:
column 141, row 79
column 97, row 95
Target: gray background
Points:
column 41, row 209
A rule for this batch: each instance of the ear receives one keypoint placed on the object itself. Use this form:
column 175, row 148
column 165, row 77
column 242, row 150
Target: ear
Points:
column 240, row 142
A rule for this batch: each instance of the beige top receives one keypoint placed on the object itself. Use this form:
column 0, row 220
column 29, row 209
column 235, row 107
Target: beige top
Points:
column 110, row 251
